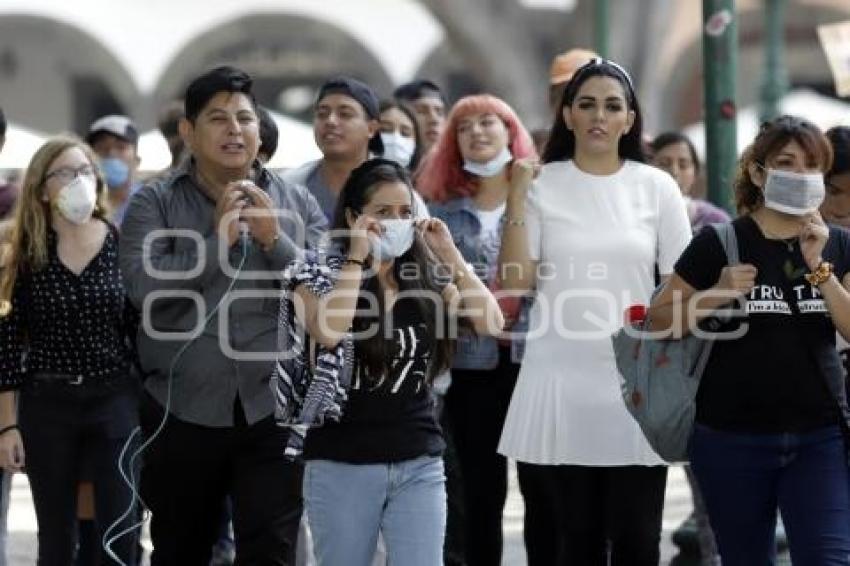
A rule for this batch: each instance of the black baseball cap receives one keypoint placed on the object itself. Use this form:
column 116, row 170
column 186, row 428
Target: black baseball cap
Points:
column 362, row 93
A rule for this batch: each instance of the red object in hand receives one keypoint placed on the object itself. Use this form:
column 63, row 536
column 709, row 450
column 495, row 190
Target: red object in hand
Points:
column 635, row 314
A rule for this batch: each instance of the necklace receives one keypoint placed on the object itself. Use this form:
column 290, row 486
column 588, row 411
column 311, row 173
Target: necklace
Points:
column 789, row 242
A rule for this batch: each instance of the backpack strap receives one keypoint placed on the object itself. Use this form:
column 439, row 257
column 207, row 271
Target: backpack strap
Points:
column 729, row 240
column 726, row 233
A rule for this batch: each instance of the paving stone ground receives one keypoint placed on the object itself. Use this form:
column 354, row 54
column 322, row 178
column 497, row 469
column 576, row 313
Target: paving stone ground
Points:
column 22, row 525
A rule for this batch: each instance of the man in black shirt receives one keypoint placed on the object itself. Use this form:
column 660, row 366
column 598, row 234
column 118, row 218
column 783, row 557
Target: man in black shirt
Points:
column 218, row 226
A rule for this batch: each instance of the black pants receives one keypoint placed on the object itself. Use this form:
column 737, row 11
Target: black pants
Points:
column 477, row 403
column 542, row 531
column 454, row 553
column 189, row 469
column 599, row 510
column 61, row 426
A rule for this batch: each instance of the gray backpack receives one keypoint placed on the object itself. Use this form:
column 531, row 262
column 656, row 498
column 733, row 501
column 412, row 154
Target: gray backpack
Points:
column 660, row 378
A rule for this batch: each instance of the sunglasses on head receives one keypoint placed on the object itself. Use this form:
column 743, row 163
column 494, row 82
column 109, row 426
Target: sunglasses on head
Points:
column 786, row 123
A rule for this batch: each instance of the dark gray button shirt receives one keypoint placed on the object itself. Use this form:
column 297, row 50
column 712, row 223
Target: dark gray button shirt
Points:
column 235, row 352
column 310, row 176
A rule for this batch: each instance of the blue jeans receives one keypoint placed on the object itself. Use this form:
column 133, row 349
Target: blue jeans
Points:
column 349, row 504
column 744, row 478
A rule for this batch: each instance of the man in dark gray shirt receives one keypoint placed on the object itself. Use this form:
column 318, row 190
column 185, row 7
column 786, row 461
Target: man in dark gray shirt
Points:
column 202, row 251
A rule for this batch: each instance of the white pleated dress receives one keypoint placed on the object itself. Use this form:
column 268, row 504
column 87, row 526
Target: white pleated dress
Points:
column 598, row 239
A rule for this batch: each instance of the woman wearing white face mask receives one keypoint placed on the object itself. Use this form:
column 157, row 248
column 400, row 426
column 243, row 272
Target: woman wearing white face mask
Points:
column 399, row 133
column 378, row 468
column 468, row 175
column 772, row 404
column 67, row 393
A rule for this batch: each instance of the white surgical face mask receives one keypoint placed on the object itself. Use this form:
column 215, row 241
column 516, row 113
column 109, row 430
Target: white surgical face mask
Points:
column 398, row 148
column 395, row 240
column 490, row 168
column 793, row 193
column 76, row 200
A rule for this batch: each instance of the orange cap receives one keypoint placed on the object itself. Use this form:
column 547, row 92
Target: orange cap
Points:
column 566, row 64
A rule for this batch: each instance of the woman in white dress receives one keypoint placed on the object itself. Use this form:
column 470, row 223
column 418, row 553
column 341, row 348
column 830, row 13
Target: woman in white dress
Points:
column 596, row 227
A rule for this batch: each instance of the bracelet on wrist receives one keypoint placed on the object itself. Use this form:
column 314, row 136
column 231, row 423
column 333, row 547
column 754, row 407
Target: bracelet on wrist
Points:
column 821, row 274
column 514, row 221
column 355, row 261
column 6, row 429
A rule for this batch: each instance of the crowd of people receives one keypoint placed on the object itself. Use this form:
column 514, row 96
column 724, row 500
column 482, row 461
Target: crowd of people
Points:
column 334, row 364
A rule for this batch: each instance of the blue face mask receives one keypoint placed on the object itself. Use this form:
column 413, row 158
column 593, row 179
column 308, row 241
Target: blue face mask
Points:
column 115, row 171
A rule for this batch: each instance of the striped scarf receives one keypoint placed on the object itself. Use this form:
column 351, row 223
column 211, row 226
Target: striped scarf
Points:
column 308, row 392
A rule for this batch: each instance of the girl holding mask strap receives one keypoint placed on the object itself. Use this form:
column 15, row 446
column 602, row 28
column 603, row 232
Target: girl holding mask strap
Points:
column 65, row 350
column 467, row 175
column 379, row 469
column 597, row 222
column 768, row 433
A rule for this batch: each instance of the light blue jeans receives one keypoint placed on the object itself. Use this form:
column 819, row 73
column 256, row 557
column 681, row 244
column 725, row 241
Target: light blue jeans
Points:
column 349, row 504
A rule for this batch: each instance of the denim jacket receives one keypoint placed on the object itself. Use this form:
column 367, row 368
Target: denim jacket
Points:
column 478, row 352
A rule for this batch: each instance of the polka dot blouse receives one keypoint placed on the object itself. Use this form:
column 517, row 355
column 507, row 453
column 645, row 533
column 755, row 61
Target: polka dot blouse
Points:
column 64, row 323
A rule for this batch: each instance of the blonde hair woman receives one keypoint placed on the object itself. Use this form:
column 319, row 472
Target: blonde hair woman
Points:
column 63, row 307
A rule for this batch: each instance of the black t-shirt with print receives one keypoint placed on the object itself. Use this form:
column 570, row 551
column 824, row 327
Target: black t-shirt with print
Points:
column 388, row 419
column 768, row 380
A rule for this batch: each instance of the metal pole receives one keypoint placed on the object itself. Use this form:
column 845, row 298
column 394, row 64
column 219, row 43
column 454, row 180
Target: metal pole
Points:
column 775, row 80
column 720, row 58
column 600, row 27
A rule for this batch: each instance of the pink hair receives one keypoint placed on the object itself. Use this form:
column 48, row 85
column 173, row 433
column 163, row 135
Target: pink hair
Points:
column 440, row 176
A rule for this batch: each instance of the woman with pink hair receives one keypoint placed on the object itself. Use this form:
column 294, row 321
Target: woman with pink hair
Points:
column 467, row 176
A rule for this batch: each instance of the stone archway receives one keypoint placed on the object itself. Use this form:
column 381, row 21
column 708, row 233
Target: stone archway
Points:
column 286, row 54
column 53, row 75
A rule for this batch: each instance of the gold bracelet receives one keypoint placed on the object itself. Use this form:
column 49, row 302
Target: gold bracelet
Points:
column 821, row 274
column 515, row 221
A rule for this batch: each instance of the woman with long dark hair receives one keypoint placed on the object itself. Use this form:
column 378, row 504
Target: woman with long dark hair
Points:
column 378, row 468
column 588, row 237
